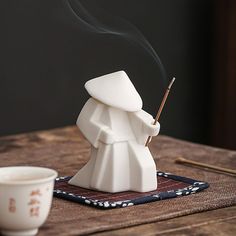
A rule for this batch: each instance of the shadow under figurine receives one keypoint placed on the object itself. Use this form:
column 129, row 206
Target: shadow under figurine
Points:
column 113, row 121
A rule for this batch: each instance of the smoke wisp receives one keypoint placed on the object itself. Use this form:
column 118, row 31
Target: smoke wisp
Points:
column 120, row 28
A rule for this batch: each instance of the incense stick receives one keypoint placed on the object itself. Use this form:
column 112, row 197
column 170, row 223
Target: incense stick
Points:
column 182, row 160
column 161, row 108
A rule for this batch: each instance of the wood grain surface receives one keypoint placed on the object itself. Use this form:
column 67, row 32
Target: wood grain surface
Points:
column 216, row 222
column 66, row 151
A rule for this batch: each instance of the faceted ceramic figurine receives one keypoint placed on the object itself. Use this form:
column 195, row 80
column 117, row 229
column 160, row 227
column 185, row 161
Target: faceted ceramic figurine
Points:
column 113, row 121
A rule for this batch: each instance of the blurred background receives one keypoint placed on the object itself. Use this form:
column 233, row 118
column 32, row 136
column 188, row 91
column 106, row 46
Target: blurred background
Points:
column 49, row 49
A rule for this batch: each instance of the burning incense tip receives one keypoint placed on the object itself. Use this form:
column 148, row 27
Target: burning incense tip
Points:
column 171, row 83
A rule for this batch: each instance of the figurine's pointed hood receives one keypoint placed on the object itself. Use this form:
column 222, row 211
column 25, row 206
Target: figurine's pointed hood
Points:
column 115, row 90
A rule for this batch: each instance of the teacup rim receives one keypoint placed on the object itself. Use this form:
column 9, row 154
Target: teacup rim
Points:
column 53, row 176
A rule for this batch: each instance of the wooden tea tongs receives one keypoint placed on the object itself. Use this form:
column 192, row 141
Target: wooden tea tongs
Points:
column 181, row 160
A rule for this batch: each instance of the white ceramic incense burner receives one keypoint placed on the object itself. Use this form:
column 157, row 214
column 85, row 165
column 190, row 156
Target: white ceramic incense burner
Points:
column 117, row 128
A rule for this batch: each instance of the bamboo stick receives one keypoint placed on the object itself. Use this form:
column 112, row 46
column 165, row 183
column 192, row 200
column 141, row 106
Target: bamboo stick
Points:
column 182, row 160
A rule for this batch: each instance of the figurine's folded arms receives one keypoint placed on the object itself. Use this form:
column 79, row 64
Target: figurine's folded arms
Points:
column 142, row 125
column 106, row 135
column 151, row 129
column 147, row 123
column 90, row 126
column 87, row 121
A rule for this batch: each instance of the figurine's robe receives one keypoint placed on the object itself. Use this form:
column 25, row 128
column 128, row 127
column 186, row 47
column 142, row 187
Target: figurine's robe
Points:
column 124, row 165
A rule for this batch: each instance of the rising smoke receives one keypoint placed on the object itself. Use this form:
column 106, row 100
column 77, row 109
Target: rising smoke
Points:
column 120, row 28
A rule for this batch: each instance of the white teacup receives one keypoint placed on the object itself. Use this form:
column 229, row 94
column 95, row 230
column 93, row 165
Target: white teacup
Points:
column 25, row 199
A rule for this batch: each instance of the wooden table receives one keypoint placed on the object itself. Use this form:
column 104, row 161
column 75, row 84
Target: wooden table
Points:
column 42, row 149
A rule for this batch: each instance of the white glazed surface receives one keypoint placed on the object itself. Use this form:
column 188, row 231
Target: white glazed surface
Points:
column 116, row 90
column 26, row 197
column 119, row 160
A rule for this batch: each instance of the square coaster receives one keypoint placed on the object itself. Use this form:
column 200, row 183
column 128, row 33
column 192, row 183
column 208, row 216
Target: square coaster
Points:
column 169, row 186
